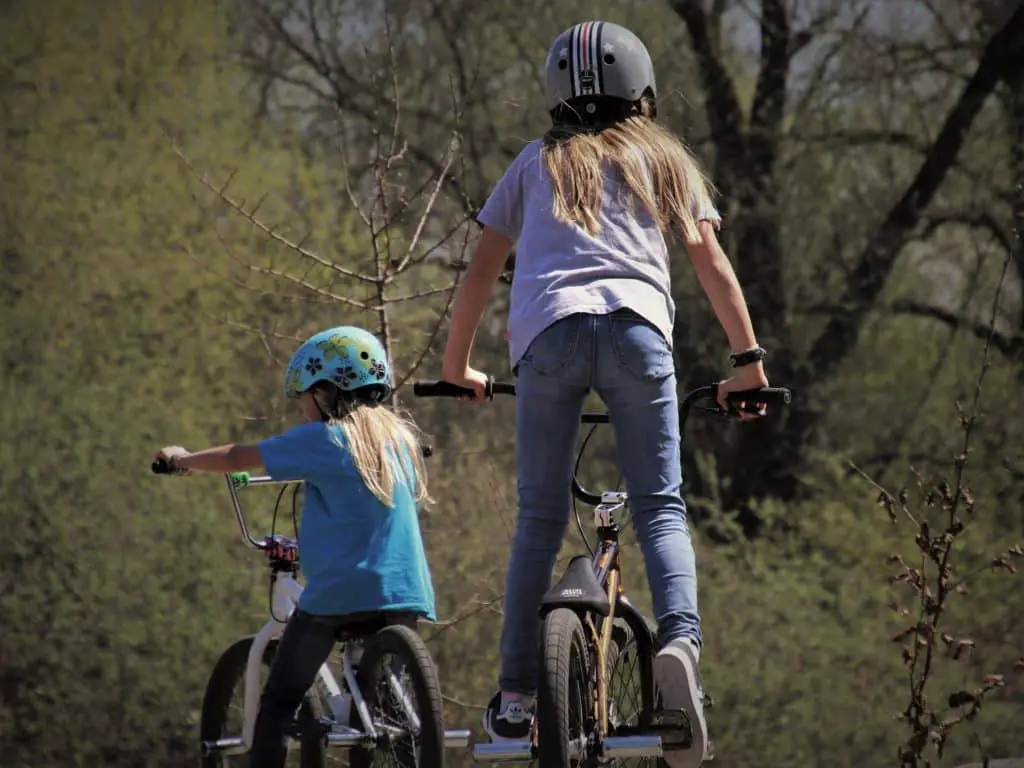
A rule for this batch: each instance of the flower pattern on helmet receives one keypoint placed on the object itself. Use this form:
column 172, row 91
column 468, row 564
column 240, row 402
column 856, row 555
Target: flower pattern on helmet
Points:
column 352, row 346
column 347, row 356
column 293, row 381
column 333, row 347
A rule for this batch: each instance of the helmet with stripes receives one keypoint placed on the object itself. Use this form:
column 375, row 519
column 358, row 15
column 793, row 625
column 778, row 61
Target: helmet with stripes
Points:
column 598, row 72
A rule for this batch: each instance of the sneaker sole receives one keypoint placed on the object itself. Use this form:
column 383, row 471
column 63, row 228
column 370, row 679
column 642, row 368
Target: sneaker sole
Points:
column 675, row 673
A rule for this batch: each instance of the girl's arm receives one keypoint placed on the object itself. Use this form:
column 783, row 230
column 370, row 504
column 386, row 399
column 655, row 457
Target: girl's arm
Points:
column 719, row 282
column 223, row 458
column 470, row 300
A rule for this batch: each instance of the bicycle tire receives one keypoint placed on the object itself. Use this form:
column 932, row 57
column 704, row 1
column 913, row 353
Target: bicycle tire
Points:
column 622, row 646
column 563, row 694
column 405, row 644
column 229, row 672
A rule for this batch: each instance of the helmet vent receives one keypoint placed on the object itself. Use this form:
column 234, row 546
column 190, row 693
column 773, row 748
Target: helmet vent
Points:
column 609, row 58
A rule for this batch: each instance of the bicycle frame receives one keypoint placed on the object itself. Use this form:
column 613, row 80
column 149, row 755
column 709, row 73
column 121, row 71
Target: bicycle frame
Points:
column 284, row 599
column 606, row 568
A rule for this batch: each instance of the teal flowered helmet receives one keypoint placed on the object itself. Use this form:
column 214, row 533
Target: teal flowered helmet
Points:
column 349, row 357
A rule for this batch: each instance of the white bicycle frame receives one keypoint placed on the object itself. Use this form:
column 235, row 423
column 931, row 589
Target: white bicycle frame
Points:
column 285, row 593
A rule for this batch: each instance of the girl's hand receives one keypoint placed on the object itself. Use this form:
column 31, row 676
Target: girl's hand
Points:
column 171, row 454
column 747, row 377
column 471, row 379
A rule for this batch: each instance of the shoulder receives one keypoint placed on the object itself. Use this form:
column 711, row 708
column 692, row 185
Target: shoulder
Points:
column 310, row 430
column 530, row 154
column 310, row 437
column 527, row 157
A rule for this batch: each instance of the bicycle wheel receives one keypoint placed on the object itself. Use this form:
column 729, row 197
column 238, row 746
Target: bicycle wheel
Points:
column 564, row 695
column 398, row 679
column 625, row 691
column 222, row 710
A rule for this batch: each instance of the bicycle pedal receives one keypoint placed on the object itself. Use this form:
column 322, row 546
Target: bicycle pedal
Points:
column 673, row 726
column 315, row 729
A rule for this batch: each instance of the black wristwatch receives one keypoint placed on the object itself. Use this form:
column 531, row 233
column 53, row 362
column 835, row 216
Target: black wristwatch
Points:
column 748, row 357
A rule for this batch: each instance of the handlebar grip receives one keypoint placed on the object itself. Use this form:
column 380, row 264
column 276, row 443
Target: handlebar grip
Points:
column 754, row 401
column 161, row 467
column 447, row 389
column 440, row 389
column 766, row 395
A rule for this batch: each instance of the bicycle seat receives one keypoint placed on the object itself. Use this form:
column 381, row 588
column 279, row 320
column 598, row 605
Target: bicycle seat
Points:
column 362, row 625
column 578, row 588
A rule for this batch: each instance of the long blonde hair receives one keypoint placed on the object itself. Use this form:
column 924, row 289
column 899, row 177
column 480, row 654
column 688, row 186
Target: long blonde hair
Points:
column 656, row 166
column 384, row 443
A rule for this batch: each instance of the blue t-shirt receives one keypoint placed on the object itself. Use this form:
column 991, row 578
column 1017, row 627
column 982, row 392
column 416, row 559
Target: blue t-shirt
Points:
column 357, row 554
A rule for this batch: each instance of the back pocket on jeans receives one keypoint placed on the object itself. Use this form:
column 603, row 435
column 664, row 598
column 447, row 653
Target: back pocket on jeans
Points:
column 553, row 347
column 640, row 348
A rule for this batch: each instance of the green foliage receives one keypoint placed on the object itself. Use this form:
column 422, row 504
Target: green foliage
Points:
column 140, row 308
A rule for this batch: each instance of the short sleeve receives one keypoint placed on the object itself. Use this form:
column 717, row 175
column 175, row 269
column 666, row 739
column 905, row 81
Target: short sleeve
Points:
column 503, row 211
column 297, row 453
column 706, row 211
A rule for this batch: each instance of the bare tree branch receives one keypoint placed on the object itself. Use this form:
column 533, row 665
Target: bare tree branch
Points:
column 271, row 233
column 770, row 92
column 723, row 106
column 981, row 220
column 846, row 138
column 449, row 157
column 1009, row 345
column 1002, row 55
column 346, row 92
column 432, row 336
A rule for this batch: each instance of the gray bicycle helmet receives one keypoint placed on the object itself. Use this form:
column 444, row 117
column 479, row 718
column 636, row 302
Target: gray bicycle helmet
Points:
column 598, row 72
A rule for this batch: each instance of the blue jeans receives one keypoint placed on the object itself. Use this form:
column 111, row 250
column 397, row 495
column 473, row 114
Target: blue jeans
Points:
column 629, row 364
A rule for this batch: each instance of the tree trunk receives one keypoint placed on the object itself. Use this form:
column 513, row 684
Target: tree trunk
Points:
column 766, row 458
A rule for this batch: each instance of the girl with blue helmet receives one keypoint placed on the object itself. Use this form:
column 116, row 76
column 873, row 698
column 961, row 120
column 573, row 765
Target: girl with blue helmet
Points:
column 589, row 208
column 359, row 538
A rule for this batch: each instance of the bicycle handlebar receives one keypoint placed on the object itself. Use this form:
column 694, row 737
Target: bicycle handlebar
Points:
column 447, row 389
column 748, row 401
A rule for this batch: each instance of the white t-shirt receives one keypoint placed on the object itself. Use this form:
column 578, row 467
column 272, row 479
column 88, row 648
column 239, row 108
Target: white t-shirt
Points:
column 562, row 270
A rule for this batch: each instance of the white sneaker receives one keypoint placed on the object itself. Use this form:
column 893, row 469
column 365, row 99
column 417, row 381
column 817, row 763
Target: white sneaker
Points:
column 677, row 677
column 508, row 720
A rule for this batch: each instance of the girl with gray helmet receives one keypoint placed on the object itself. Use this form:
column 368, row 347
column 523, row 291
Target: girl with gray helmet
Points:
column 588, row 208
column 359, row 538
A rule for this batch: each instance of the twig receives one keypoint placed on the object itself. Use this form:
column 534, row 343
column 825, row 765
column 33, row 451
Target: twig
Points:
column 266, row 230
column 463, row 704
column 927, row 725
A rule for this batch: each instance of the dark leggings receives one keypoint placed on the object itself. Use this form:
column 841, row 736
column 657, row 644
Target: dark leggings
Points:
column 305, row 645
